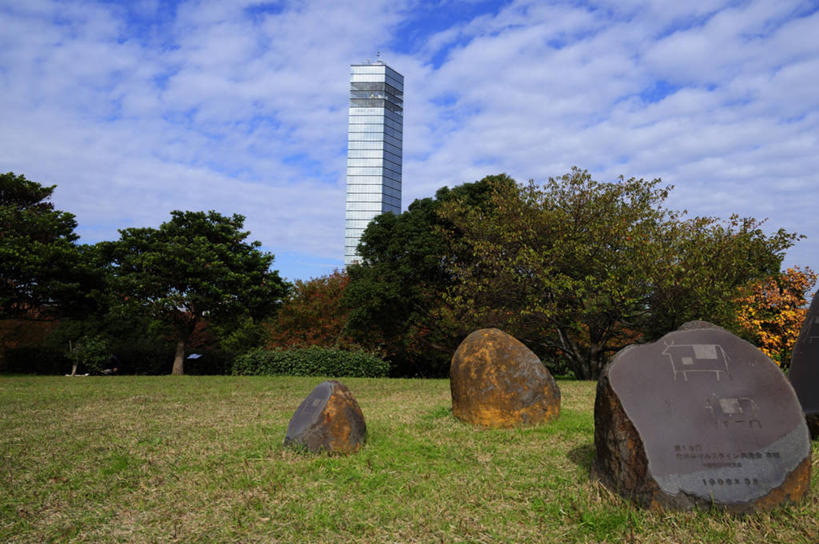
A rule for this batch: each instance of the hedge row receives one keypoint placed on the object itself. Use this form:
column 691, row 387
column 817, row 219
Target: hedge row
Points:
column 139, row 359
column 310, row 361
column 35, row 360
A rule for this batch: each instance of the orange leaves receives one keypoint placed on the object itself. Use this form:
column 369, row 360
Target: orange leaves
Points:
column 772, row 311
column 312, row 315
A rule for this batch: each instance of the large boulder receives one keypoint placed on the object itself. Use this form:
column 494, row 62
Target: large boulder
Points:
column 700, row 418
column 496, row 381
column 804, row 373
column 329, row 419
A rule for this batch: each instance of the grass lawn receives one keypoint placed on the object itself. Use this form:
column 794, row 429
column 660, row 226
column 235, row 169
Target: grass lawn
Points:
column 200, row 459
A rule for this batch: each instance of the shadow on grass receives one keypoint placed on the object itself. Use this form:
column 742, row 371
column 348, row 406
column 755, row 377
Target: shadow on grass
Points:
column 582, row 456
column 437, row 413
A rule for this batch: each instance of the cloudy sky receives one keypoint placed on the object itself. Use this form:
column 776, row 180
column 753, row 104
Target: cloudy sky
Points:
column 136, row 108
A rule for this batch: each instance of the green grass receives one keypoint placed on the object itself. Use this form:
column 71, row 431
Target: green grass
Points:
column 200, row 459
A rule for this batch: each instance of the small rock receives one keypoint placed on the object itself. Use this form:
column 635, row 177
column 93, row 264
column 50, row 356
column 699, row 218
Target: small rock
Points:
column 496, row 381
column 700, row 418
column 329, row 419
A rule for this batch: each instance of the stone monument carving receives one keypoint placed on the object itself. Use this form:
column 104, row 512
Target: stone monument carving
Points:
column 700, row 418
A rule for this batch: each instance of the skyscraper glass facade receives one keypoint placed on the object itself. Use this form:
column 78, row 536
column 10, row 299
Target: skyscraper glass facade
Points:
column 374, row 143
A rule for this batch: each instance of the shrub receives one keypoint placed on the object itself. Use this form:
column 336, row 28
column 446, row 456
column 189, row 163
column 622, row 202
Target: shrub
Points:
column 143, row 358
column 213, row 362
column 90, row 351
column 310, row 361
column 36, row 360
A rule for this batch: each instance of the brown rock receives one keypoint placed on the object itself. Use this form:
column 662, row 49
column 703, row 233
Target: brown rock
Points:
column 329, row 419
column 496, row 381
column 700, row 418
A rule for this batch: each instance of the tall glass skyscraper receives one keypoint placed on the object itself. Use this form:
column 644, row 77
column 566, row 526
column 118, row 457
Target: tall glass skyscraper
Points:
column 374, row 144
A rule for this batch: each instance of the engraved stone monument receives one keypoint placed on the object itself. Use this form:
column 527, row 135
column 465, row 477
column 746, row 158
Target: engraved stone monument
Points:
column 496, row 381
column 329, row 419
column 804, row 373
column 700, row 418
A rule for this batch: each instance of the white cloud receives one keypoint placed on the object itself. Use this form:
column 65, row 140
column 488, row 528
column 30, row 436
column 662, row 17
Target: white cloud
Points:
column 226, row 106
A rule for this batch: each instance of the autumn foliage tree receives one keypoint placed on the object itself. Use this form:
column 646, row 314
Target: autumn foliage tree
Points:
column 312, row 314
column 772, row 310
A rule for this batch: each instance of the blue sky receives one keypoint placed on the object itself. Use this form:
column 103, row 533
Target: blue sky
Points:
column 137, row 108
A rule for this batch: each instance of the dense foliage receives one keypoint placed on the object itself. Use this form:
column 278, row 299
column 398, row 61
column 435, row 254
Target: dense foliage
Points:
column 396, row 296
column 583, row 268
column 195, row 266
column 92, row 352
column 312, row 314
column 772, row 311
column 310, row 361
column 575, row 268
column 41, row 266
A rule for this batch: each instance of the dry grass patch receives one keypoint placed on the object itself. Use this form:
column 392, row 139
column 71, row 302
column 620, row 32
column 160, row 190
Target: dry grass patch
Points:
column 200, row 459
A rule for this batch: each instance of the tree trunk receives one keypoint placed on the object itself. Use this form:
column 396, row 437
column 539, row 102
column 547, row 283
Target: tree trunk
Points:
column 583, row 370
column 179, row 359
column 596, row 361
column 73, row 365
column 578, row 362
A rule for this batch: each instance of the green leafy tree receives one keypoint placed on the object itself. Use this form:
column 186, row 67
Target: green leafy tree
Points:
column 198, row 266
column 396, row 296
column 140, row 343
column 699, row 266
column 579, row 268
column 238, row 336
column 90, row 351
column 42, row 274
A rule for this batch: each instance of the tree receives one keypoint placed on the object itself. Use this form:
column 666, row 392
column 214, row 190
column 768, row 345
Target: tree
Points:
column 579, row 268
column 698, row 267
column 41, row 267
column 772, row 311
column 558, row 267
column 312, row 314
column 195, row 267
column 396, row 296
column 91, row 351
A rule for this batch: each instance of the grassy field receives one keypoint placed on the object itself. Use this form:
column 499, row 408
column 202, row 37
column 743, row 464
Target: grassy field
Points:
column 200, row 459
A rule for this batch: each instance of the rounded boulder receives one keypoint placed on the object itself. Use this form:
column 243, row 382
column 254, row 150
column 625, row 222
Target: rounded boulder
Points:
column 329, row 420
column 496, row 381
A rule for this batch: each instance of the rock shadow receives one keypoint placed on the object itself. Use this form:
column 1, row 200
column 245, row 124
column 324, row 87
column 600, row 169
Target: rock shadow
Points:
column 582, row 456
